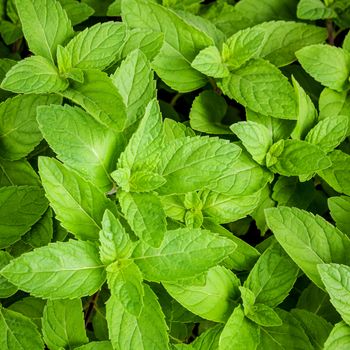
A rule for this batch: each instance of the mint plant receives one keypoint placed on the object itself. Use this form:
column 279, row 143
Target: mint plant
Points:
column 174, row 174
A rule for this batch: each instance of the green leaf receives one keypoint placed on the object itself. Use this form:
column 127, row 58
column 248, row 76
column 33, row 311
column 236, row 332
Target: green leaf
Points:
column 333, row 103
column 245, row 177
column 34, row 74
column 6, row 288
column 125, row 283
column 243, row 257
column 183, row 253
column 19, row 132
column 147, row 331
column 207, row 111
column 96, row 345
column 80, row 142
column 316, row 327
column 239, row 332
column 272, row 277
column 242, row 46
column 145, row 215
column 143, row 149
column 224, row 209
column 314, row 9
column 256, row 138
column 78, row 204
column 18, row 172
column 307, row 114
column 18, row 332
column 213, row 300
column 290, row 335
column 262, row 87
column 327, row 64
column 329, row 133
column 72, row 270
column 340, row 208
column 337, row 175
column 145, row 181
column 309, row 240
column 115, row 243
column 210, row 63
column 181, row 43
column 336, row 279
column 97, row 47
column 135, row 83
column 63, row 324
column 192, row 163
column 208, row 340
column 45, row 26
column 20, row 208
column 295, row 157
column 339, row 337
column 248, row 300
column 264, row 316
column 100, row 98
column 147, row 41
column 282, row 39
column 77, row 11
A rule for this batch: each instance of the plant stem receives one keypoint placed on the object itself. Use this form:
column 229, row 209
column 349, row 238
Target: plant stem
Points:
column 175, row 98
column 90, row 308
column 331, row 33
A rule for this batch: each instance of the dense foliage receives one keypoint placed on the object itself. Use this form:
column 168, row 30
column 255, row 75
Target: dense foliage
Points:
column 174, row 174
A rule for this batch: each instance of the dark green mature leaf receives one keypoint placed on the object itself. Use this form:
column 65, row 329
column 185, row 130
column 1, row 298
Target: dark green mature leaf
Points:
column 18, row 332
column 18, row 172
column 20, row 208
column 63, row 324
column 309, row 240
column 70, row 270
column 19, row 131
column 45, row 25
column 77, row 11
column 6, row 288
column 78, row 204
column 261, row 86
column 340, row 208
column 183, row 253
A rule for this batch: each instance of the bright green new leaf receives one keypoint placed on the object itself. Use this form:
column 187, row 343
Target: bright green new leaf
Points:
column 210, row 63
column 100, row 98
column 34, row 74
column 80, row 142
column 207, row 111
column 45, row 26
column 96, row 345
column 314, row 9
column 214, row 300
column 145, row 215
column 307, row 114
column 63, row 324
column 70, row 270
column 262, row 87
column 128, row 332
column 329, row 133
column 183, row 253
column 239, row 332
column 272, row 277
column 308, row 239
column 78, row 204
column 115, row 243
column 135, row 83
column 193, row 163
column 339, row 337
column 256, row 138
column 98, row 46
column 333, row 103
column 340, row 209
column 338, row 174
column 19, row 131
column 20, row 208
column 6, row 288
column 145, row 181
column 327, row 64
column 336, row 279
column 18, row 332
column 125, row 283
column 295, row 157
